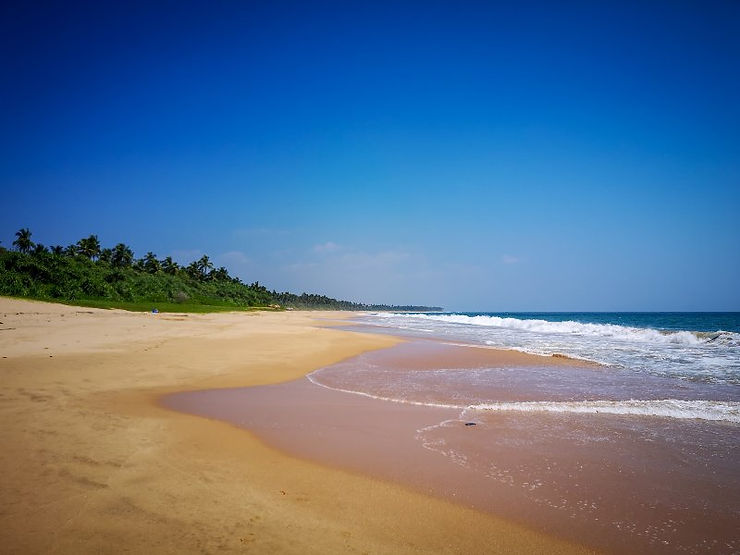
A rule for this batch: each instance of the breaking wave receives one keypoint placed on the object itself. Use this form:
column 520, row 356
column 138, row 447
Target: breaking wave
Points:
column 583, row 329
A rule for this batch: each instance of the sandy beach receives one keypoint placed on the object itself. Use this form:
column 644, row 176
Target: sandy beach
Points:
column 617, row 483
column 92, row 463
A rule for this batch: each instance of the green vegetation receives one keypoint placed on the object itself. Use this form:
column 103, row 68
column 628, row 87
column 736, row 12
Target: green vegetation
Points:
column 87, row 274
column 308, row 301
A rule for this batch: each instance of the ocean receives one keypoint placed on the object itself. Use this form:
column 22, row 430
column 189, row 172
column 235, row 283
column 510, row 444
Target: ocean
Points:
column 692, row 346
column 635, row 446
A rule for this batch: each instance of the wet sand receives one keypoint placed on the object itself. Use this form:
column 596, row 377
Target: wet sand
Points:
column 92, row 463
column 616, row 483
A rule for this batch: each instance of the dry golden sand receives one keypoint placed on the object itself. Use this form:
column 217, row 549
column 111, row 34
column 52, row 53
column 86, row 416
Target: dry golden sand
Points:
column 90, row 463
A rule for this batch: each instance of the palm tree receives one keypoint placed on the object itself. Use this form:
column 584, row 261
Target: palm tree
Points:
column 205, row 263
column 200, row 269
column 39, row 249
column 106, row 255
column 23, row 241
column 169, row 266
column 89, row 247
column 57, row 250
column 122, row 256
column 193, row 271
column 151, row 264
column 220, row 274
column 204, row 266
column 256, row 286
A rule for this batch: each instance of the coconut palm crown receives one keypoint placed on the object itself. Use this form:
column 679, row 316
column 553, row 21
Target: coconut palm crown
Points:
column 23, row 240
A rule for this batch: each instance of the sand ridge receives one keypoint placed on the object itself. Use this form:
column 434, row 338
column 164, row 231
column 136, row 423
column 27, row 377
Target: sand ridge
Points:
column 91, row 463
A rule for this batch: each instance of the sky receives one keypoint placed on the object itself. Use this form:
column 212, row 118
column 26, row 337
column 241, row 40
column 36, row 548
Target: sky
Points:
column 514, row 156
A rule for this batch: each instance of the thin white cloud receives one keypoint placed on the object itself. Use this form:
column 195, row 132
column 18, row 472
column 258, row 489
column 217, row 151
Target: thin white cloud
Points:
column 510, row 259
column 327, row 247
column 233, row 258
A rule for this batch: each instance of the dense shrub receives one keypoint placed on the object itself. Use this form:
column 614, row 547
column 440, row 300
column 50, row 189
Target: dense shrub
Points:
column 85, row 271
column 70, row 278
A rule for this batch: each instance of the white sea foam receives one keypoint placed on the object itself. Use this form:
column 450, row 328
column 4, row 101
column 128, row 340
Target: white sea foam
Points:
column 645, row 335
column 725, row 411
column 312, row 378
column 708, row 357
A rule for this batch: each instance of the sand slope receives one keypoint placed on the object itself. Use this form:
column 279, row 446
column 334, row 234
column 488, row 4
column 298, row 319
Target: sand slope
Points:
column 91, row 463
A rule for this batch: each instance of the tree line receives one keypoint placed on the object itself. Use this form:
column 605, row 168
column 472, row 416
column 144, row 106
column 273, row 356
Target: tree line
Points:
column 307, row 300
column 122, row 256
column 85, row 270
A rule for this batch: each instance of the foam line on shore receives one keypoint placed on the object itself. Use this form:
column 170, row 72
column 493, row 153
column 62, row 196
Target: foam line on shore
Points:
column 313, row 380
column 718, row 411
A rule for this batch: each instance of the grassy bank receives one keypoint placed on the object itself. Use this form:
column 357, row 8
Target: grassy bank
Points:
column 148, row 306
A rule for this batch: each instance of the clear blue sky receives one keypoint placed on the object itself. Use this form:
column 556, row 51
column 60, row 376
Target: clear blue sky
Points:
column 521, row 156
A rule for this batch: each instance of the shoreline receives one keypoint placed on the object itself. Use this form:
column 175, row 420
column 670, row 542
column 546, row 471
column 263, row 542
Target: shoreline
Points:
column 562, row 475
column 93, row 463
column 374, row 436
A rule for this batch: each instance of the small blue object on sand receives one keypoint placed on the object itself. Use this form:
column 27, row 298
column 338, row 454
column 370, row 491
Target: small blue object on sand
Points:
column 155, row 311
